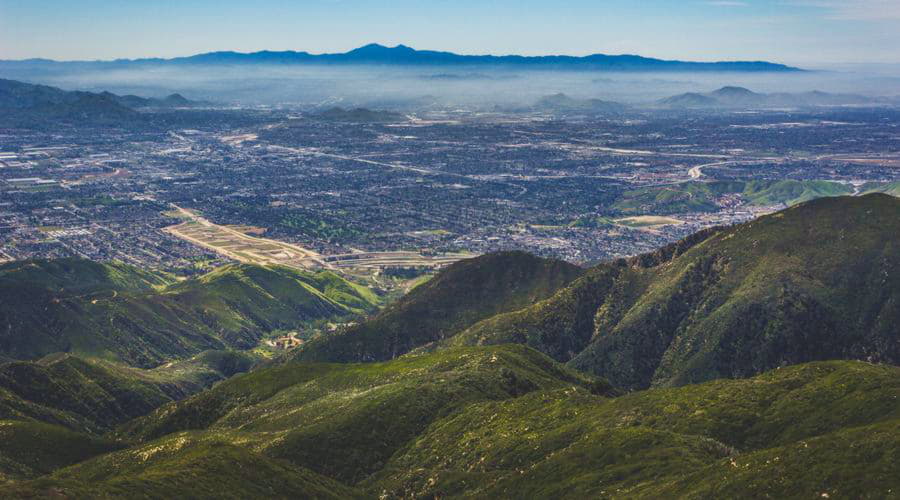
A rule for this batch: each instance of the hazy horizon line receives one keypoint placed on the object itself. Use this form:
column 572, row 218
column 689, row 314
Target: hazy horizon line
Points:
column 403, row 45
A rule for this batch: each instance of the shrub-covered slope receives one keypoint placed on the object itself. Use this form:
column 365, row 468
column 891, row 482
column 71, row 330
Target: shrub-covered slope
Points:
column 118, row 312
column 345, row 421
column 94, row 396
column 797, row 432
column 818, row 281
column 505, row 422
column 697, row 196
column 32, row 449
column 182, row 467
column 456, row 298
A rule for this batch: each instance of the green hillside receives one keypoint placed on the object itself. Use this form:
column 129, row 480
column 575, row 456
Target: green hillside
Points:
column 791, row 192
column 504, row 422
column 117, row 312
column 778, row 435
column 818, row 281
column 892, row 188
column 456, row 298
column 32, row 449
column 701, row 196
column 676, row 198
column 183, row 467
column 94, row 396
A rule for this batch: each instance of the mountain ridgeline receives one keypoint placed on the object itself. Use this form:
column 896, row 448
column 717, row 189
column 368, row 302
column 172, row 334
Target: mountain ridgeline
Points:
column 496, row 421
column 25, row 104
column 739, row 97
column 402, row 55
column 94, row 396
column 117, row 312
column 818, row 281
column 460, row 296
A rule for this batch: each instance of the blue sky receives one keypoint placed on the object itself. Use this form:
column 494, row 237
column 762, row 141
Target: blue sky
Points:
column 791, row 31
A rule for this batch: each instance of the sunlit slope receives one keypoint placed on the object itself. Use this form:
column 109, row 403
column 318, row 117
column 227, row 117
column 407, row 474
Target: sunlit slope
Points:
column 122, row 313
column 796, row 432
column 701, row 196
column 505, row 422
column 183, row 467
column 817, row 281
column 346, row 421
column 95, row 396
column 892, row 188
column 456, row 298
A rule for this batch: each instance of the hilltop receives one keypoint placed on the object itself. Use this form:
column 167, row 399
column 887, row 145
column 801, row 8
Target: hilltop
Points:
column 119, row 312
column 740, row 97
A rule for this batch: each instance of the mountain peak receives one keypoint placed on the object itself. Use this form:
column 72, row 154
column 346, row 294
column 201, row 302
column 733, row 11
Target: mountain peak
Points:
column 176, row 99
column 734, row 91
column 378, row 49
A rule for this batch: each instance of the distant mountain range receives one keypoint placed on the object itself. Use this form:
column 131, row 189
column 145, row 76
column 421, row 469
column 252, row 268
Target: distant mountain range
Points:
column 402, row 55
column 739, row 97
column 42, row 107
column 28, row 105
column 142, row 318
column 721, row 99
column 562, row 103
column 15, row 95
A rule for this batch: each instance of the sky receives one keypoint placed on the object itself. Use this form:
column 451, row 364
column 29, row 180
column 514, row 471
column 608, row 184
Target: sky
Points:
column 808, row 32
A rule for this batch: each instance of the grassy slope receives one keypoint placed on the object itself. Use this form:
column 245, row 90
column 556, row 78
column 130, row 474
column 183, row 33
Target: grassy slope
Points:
column 700, row 196
column 121, row 313
column 859, row 462
column 32, row 449
column 560, row 326
column 892, row 188
column 818, row 281
column 791, row 192
column 94, row 396
column 182, row 467
column 668, row 442
column 685, row 197
column 459, row 296
column 345, row 421
column 506, row 422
